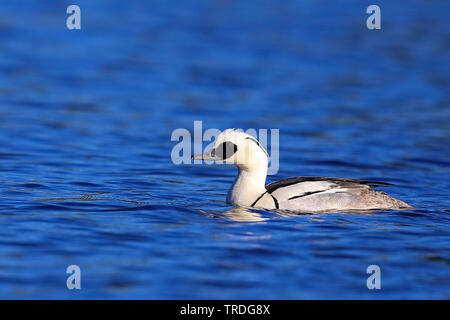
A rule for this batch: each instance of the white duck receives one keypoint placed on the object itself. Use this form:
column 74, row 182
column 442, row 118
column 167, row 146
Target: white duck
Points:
column 307, row 194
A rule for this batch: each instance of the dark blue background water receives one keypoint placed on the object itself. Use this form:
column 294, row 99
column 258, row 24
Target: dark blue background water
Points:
column 86, row 176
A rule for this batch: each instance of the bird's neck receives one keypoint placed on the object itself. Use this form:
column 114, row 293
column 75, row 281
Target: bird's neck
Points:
column 248, row 186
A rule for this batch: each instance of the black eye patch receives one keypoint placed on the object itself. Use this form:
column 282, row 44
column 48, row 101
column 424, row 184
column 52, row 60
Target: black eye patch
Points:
column 225, row 150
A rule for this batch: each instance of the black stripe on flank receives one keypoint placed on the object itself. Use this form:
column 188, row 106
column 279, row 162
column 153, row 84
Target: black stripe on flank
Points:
column 276, row 202
column 259, row 198
column 307, row 194
column 343, row 183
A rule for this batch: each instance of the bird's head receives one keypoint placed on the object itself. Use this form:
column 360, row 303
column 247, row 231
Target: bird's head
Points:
column 236, row 147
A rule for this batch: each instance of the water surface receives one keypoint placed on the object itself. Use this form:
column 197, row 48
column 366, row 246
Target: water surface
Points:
column 86, row 176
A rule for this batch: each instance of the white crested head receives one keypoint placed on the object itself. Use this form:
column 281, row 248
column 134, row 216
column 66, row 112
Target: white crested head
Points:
column 239, row 148
column 243, row 150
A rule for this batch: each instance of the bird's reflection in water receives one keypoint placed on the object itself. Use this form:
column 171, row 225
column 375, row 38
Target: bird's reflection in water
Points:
column 243, row 215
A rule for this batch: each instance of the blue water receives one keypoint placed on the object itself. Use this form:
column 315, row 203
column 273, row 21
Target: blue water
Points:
column 86, row 176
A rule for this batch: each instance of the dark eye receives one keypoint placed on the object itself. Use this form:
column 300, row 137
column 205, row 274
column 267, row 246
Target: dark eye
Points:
column 225, row 150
